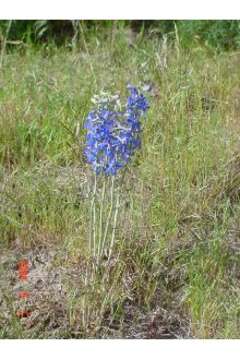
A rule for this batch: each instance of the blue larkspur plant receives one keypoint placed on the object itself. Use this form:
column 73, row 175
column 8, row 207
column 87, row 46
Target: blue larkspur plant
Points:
column 113, row 134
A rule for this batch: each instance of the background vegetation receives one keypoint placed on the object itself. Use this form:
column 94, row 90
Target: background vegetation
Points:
column 175, row 272
column 217, row 34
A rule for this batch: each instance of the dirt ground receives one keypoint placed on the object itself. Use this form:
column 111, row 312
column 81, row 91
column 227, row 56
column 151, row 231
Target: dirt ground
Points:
column 48, row 316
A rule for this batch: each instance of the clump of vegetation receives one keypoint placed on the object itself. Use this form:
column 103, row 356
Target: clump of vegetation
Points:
column 175, row 264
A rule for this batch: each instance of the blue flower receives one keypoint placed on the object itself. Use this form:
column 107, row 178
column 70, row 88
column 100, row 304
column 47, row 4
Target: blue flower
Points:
column 136, row 101
column 113, row 136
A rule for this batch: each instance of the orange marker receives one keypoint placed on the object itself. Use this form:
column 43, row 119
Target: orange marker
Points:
column 23, row 313
column 23, row 294
column 23, row 269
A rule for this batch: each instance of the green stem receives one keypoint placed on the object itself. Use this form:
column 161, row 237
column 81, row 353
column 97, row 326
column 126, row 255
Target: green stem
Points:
column 114, row 224
column 92, row 241
column 88, row 54
column 109, row 217
column 102, row 204
column 5, row 43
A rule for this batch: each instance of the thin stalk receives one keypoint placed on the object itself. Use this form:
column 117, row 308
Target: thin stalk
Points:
column 92, row 232
column 5, row 43
column 94, row 216
column 88, row 54
column 109, row 216
column 102, row 204
column 84, row 307
column 114, row 224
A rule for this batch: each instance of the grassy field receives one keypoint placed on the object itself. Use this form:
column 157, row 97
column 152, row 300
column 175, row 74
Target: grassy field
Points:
column 176, row 266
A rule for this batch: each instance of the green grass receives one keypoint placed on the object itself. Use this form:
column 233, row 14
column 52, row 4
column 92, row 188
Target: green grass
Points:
column 179, row 230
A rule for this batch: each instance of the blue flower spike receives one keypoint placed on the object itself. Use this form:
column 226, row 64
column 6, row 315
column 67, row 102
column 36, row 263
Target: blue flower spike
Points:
column 113, row 131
